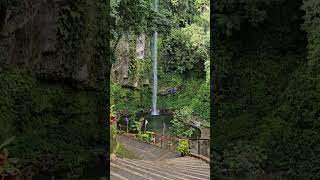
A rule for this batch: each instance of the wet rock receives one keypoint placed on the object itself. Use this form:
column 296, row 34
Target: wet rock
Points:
column 168, row 91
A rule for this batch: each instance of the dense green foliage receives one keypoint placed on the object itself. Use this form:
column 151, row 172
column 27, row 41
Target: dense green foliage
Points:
column 186, row 49
column 49, row 125
column 312, row 27
column 183, row 28
column 53, row 83
column 179, row 129
column 266, row 88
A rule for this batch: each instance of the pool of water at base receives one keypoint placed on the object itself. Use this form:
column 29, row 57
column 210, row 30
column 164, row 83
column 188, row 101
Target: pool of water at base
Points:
column 162, row 122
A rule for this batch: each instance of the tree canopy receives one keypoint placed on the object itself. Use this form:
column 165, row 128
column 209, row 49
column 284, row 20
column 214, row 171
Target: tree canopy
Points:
column 266, row 99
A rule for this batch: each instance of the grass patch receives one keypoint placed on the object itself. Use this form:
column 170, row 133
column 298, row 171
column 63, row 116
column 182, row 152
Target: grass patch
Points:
column 122, row 152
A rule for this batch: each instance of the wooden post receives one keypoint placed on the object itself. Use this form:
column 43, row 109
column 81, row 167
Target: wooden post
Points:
column 127, row 128
column 164, row 126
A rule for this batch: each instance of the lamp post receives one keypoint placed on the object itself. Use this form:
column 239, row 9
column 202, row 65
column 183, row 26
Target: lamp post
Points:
column 127, row 122
column 145, row 125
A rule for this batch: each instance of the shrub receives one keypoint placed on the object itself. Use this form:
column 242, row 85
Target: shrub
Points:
column 114, row 138
column 179, row 128
column 146, row 137
column 183, row 147
column 7, row 165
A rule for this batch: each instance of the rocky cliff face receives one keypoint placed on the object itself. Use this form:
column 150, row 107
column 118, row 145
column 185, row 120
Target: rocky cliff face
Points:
column 54, row 73
column 132, row 64
column 120, row 69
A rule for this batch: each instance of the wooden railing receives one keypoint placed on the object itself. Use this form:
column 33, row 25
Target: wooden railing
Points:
column 197, row 145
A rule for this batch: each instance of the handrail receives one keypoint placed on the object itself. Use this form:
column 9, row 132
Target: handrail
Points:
column 166, row 137
column 165, row 141
column 201, row 139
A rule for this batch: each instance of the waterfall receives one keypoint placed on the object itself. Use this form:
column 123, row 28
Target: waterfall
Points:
column 155, row 68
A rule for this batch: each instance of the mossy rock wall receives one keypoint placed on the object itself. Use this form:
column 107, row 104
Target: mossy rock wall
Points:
column 54, row 73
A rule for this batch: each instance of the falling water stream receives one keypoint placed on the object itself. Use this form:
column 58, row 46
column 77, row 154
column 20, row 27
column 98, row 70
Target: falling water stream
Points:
column 155, row 68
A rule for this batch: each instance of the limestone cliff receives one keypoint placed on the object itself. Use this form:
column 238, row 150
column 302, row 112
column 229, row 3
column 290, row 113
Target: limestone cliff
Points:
column 132, row 67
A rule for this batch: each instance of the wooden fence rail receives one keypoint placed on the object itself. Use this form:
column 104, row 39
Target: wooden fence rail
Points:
column 200, row 145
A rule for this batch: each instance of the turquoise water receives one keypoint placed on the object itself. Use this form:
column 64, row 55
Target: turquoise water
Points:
column 161, row 124
column 158, row 123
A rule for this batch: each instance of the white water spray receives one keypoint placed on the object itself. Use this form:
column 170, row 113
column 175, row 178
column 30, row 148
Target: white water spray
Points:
column 155, row 68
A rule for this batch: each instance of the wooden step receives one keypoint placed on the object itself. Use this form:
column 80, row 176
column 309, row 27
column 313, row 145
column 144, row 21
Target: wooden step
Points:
column 164, row 171
column 180, row 171
column 145, row 171
column 126, row 172
column 115, row 176
column 195, row 173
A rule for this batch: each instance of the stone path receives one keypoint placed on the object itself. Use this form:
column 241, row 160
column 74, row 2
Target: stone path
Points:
column 146, row 151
